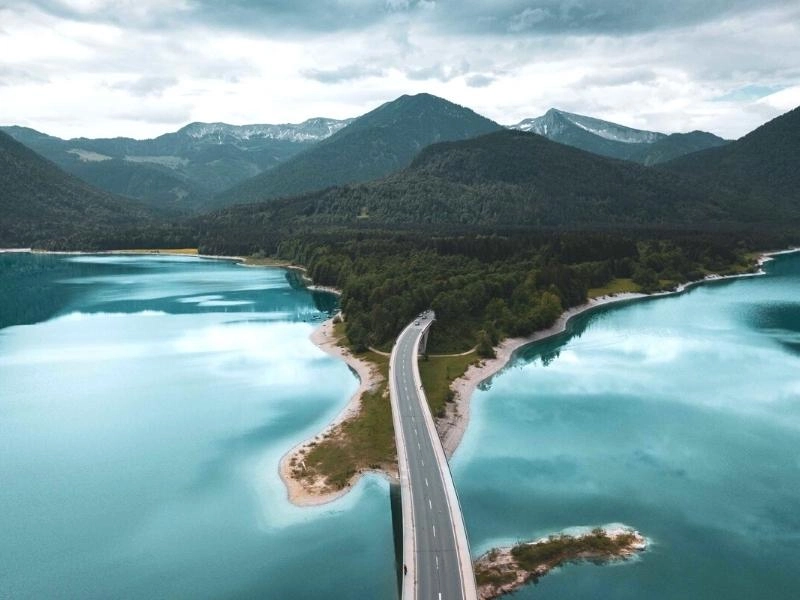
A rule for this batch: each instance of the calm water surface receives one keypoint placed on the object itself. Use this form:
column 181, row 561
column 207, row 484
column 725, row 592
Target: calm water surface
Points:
column 144, row 405
column 678, row 416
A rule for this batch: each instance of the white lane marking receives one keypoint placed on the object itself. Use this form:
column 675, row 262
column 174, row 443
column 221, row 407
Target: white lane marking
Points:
column 431, row 507
column 418, row 446
column 422, row 462
column 437, row 563
column 440, row 595
column 434, row 531
column 426, row 482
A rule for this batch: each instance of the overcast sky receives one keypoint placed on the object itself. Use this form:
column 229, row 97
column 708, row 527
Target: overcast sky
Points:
column 139, row 68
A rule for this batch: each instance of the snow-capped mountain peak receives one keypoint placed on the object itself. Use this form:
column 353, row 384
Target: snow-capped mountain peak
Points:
column 555, row 122
column 311, row 130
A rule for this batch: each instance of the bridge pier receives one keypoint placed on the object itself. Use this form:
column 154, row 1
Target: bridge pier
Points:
column 423, row 342
column 397, row 530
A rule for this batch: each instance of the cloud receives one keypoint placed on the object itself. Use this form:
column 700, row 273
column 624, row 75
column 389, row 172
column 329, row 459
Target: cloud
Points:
column 344, row 73
column 14, row 75
column 438, row 71
column 479, row 81
column 667, row 65
column 527, row 19
column 146, row 85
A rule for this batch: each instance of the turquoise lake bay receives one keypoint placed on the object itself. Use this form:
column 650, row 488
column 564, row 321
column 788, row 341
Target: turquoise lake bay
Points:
column 678, row 416
column 145, row 402
column 143, row 412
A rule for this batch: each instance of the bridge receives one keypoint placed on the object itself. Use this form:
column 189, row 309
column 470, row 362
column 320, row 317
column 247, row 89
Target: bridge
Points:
column 437, row 563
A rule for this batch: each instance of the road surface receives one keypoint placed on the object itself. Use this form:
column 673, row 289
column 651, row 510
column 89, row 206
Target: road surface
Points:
column 436, row 546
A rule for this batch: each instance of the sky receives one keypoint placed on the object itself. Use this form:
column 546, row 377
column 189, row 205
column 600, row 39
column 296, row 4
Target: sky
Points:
column 140, row 68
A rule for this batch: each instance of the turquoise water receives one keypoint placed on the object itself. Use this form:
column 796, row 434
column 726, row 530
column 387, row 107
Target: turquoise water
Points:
column 144, row 405
column 678, row 416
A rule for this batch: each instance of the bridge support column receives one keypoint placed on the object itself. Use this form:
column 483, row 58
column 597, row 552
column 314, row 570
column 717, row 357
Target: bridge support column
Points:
column 397, row 529
column 423, row 342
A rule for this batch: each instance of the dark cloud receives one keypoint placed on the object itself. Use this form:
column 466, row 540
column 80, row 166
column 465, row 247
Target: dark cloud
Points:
column 438, row 71
column 587, row 17
column 479, row 81
column 281, row 18
column 344, row 73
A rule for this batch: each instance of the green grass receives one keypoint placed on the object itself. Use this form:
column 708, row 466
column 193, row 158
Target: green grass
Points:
column 365, row 441
column 266, row 261
column 615, row 286
column 437, row 373
column 564, row 548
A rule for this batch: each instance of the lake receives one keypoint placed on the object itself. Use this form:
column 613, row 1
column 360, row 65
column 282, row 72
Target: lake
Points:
column 678, row 416
column 144, row 405
column 145, row 402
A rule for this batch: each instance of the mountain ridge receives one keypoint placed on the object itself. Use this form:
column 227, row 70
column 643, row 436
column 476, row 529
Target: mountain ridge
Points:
column 382, row 140
column 614, row 140
column 178, row 170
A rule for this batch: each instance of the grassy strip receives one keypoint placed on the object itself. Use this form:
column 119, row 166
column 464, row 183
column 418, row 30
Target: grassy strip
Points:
column 266, row 261
column 365, row 441
column 615, row 286
column 437, row 373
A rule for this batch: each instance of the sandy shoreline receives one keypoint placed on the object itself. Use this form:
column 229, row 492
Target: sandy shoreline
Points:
column 298, row 492
column 454, row 424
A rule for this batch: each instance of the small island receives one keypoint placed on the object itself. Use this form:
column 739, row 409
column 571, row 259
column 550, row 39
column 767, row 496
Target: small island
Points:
column 503, row 570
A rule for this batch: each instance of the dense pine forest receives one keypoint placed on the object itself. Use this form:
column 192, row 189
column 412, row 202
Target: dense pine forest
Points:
column 485, row 287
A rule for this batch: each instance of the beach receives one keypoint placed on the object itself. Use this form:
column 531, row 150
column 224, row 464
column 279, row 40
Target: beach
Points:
column 304, row 493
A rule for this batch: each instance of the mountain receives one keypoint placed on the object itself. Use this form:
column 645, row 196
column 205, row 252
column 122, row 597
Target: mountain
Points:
column 675, row 145
column 507, row 179
column 373, row 145
column 613, row 140
column 764, row 164
column 182, row 170
column 42, row 206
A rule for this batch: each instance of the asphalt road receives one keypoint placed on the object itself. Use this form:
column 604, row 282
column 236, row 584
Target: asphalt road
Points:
column 438, row 570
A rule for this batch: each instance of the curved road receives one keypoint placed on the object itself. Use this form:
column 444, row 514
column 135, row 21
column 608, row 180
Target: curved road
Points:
column 435, row 548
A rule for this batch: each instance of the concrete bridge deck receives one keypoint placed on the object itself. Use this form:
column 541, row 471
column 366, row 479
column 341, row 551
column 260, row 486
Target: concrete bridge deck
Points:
column 435, row 548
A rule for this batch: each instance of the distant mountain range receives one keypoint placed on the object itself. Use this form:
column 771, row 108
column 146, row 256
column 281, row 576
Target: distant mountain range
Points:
column 204, row 166
column 614, row 140
column 371, row 146
column 179, row 171
column 391, row 168
column 519, row 180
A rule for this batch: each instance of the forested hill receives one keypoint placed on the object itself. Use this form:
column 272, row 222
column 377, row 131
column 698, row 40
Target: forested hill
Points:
column 42, row 206
column 506, row 179
column 373, row 145
column 764, row 164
